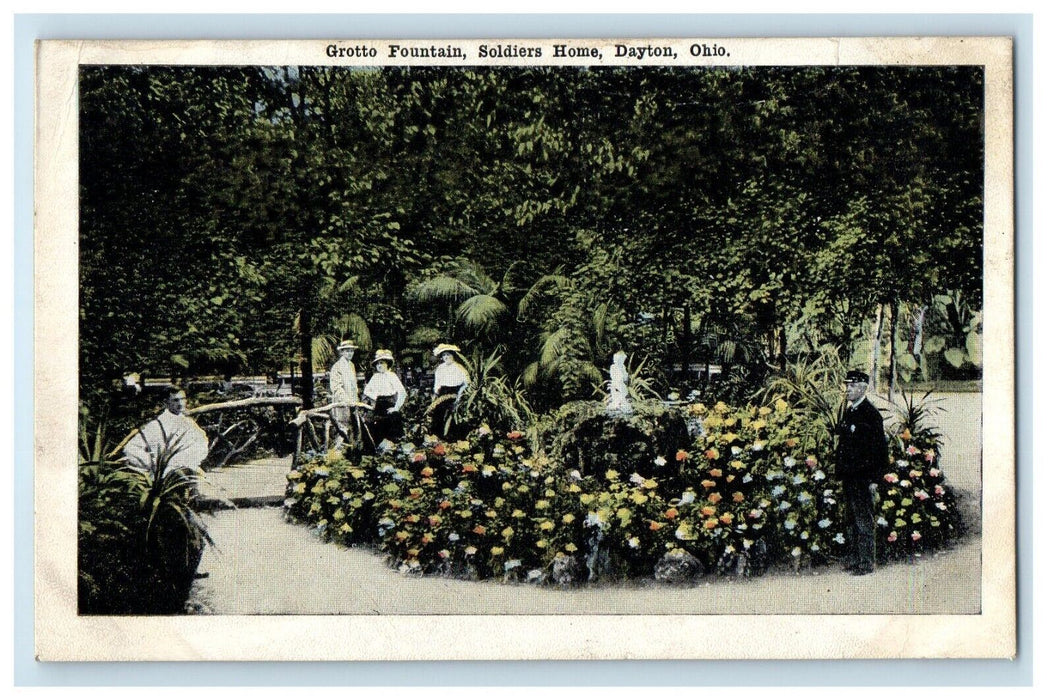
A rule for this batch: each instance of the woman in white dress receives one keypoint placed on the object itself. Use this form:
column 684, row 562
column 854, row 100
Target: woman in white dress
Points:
column 386, row 395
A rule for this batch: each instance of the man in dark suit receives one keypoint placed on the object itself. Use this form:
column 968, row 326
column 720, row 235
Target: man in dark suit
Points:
column 861, row 456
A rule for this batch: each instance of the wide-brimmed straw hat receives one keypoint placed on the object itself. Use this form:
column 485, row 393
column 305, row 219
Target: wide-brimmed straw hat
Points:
column 347, row 345
column 384, row 356
column 445, row 347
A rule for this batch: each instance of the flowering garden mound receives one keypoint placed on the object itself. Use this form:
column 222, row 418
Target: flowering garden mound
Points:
column 753, row 488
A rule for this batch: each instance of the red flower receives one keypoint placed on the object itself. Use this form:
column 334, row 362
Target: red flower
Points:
column 671, row 513
column 439, row 449
column 514, row 435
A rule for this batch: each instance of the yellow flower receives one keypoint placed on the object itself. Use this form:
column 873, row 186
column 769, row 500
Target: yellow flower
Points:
column 495, row 551
column 402, row 535
column 721, row 407
column 568, row 518
column 650, row 484
column 737, row 464
column 587, row 498
column 764, row 411
column 299, row 488
column 507, row 533
column 729, row 437
column 518, row 513
column 546, row 526
column 611, row 475
column 541, row 505
column 499, row 502
column 541, row 544
column 574, row 488
column 638, row 498
column 491, row 513
column 549, row 493
column 338, row 514
column 293, row 475
column 781, row 405
column 345, row 528
column 570, row 547
column 758, row 424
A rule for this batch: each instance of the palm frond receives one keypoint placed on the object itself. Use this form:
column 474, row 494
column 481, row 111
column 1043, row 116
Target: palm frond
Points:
column 481, row 312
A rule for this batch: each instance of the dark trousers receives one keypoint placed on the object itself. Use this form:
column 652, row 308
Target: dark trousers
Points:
column 860, row 512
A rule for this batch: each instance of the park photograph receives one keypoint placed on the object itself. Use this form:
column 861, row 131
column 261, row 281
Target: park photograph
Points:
column 522, row 340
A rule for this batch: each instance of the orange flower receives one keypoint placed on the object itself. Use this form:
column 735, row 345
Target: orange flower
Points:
column 479, row 530
column 469, row 468
column 708, row 511
column 714, row 497
column 514, row 435
column 418, row 457
column 738, row 497
column 434, row 520
column 681, row 455
column 427, row 538
column 710, row 524
column 715, row 473
column 793, row 442
column 711, row 454
column 652, row 525
column 726, row 518
column 439, row 449
column 671, row 513
column 427, row 471
column 906, row 434
column 443, row 505
column 730, row 478
column 412, row 518
column 707, row 484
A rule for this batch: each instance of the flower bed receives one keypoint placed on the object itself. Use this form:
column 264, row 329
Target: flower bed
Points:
column 752, row 489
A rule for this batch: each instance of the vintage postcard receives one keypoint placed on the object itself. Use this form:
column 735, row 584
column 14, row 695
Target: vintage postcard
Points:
column 525, row 349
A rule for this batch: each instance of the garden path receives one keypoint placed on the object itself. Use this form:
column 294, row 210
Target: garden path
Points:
column 259, row 482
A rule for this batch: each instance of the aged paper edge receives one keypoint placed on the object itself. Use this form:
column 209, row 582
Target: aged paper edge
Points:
column 63, row 636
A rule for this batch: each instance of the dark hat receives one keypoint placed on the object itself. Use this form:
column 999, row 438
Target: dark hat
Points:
column 855, row 376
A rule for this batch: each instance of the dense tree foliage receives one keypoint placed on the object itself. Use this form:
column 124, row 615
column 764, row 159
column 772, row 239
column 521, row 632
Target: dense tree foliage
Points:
column 243, row 219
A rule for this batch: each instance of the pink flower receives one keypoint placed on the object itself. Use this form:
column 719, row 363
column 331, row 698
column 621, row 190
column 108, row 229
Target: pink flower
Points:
column 935, row 472
column 930, row 455
column 921, row 495
column 811, row 462
column 892, row 537
column 418, row 457
column 915, row 536
column 912, row 450
column 891, row 478
column 939, row 490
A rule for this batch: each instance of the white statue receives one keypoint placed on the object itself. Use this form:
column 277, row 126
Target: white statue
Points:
column 618, row 397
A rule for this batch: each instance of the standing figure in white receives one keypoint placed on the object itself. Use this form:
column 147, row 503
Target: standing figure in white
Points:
column 618, row 396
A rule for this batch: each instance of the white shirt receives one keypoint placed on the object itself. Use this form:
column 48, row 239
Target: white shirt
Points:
column 176, row 436
column 385, row 384
column 343, row 383
column 451, row 374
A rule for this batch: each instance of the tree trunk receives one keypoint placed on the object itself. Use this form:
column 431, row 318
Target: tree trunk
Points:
column 781, row 347
column 892, row 348
column 686, row 342
column 307, row 370
column 876, row 348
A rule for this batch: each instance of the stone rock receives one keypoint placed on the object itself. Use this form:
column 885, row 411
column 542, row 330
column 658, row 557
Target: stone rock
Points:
column 677, row 566
column 566, row 570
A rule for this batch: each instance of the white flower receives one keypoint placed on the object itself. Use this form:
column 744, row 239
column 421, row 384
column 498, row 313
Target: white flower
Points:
column 747, row 544
column 534, row 575
column 592, row 520
column 789, row 461
column 818, row 475
column 825, row 523
column 796, row 552
column 828, row 492
column 453, row 537
column 905, row 483
column 636, row 478
column 805, row 535
column 757, row 446
column 765, row 503
column 902, row 462
column 736, row 450
column 680, row 533
column 321, row 471
column 815, row 547
column 773, row 475
column 784, row 505
column 576, row 475
column 789, row 524
column 941, row 506
column 798, row 479
column 729, row 549
column 687, row 497
column 386, row 523
column 512, row 564
column 804, row 497
column 289, row 502
column 881, row 521
column 660, row 461
column 778, row 490
column 634, row 543
column 747, row 478
column 839, row 538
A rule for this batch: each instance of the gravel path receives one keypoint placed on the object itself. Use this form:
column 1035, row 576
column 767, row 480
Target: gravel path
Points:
column 264, row 565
